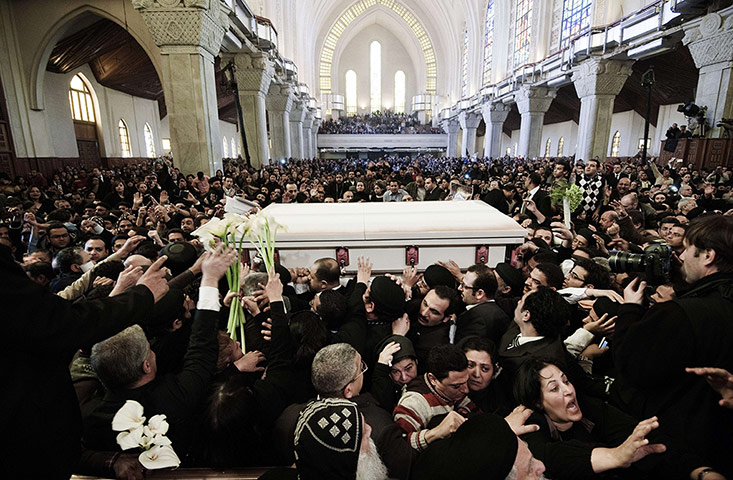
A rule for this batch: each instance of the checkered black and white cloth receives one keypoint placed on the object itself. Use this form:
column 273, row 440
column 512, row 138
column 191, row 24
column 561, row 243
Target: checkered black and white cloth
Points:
column 592, row 192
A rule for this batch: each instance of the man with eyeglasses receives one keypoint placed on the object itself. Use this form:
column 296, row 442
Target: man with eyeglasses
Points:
column 483, row 317
column 58, row 238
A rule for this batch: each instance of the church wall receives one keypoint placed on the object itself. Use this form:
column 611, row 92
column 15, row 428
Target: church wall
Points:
column 567, row 130
column 111, row 106
column 631, row 127
column 355, row 56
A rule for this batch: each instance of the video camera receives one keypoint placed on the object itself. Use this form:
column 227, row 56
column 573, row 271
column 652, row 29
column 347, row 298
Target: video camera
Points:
column 654, row 263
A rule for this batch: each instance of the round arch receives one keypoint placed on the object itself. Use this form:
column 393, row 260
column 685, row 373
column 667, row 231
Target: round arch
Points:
column 59, row 29
column 352, row 13
column 394, row 26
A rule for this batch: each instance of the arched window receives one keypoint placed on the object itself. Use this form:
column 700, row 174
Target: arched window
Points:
column 234, row 148
column 149, row 141
column 488, row 42
column 375, row 75
column 351, row 92
column 616, row 144
column 464, row 65
column 560, row 145
column 225, row 148
column 548, row 144
column 399, row 91
column 515, row 149
column 575, row 18
column 80, row 99
column 522, row 28
column 124, row 139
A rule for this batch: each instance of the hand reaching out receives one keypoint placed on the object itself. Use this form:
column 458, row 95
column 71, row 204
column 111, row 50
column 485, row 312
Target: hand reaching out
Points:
column 126, row 279
column 387, row 353
column 453, row 268
column 517, row 420
column 401, row 326
column 249, row 362
column 720, row 380
column 364, row 271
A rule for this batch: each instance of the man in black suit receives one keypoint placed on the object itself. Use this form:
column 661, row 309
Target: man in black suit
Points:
column 538, row 321
column 483, row 317
column 541, row 199
column 432, row 190
column 46, row 330
column 499, row 198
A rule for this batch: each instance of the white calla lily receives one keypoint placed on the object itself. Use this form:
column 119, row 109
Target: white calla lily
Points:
column 161, row 440
column 130, row 439
column 216, row 227
column 158, row 425
column 128, row 417
column 160, row 456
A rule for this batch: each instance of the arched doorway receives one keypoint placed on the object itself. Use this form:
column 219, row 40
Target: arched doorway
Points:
column 83, row 113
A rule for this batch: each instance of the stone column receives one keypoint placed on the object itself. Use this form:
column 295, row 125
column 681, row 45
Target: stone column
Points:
column 597, row 83
column 279, row 104
column 451, row 128
column 254, row 73
column 297, row 115
column 533, row 103
column 308, row 134
column 709, row 39
column 469, row 123
column 494, row 116
column 314, row 140
column 189, row 34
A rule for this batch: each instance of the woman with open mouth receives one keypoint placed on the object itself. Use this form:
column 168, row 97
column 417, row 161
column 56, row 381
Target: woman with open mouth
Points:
column 583, row 437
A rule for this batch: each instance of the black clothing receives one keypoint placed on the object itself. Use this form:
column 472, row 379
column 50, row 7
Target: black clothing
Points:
column 176, row 396
column 651, row 350
column 435, row 194
column 39, row 404
column 567, row 454
column 497, row 199
column 484, row 320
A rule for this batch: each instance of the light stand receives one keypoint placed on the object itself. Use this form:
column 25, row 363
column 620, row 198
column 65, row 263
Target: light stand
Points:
column 229, row 81
column 647, row 81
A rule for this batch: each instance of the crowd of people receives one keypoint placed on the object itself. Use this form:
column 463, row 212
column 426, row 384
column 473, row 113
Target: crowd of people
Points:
column 387, row 122
column 598, row 349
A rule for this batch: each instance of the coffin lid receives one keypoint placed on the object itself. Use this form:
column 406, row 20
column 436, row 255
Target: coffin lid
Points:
column 400, row 222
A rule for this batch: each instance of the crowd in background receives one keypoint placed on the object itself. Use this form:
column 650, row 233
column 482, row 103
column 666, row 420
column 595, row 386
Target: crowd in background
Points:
column 577, row 344
column 378, row 122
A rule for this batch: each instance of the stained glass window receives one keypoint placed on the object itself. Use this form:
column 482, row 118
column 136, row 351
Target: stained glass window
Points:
column 149, row 141
column 488, row 42
column 575, row 18
column 560, row 145
column 616, row 144
column 124, row 139
column 399, row 91
column 522, row 27
column 80, row 100
column 548, row 144
column 351, row 92
column 375, row 75
column 464, row 65
column 225, row 148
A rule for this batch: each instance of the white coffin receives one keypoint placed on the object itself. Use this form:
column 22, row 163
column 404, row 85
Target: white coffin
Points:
column 383, row 231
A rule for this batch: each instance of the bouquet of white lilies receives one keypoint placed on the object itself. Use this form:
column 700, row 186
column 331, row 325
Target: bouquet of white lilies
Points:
column 233, row 229
column 157, row 450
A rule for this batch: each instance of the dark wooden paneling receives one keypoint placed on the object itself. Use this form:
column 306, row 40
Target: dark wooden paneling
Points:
column 85, row 131
column 702, row 152
column 7, row 149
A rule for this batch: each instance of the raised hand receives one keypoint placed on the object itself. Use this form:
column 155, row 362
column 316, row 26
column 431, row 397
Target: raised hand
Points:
column 249, row 362
column 364, row 271
column 154, row 278
column 387, row 353
column 517, row 420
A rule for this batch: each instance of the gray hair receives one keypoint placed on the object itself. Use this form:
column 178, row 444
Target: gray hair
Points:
column 118, row 360
column 333, row 368
column 252, row 281
column 684, row 201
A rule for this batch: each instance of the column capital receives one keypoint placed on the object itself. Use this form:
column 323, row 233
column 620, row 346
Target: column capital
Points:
column 710, row 38
column 280, row 98
column 316, row 123
column 495, row 112
column 254, row 73
column 597, row 76
column 469, row 120
column 534, row 99
column 185, row 23
column 450, row 126
column 298, row 111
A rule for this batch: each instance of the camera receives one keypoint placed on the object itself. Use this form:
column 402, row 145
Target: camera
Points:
column 654, row 263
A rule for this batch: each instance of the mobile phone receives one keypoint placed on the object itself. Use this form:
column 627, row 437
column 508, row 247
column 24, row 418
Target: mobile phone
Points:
column 603, row 343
